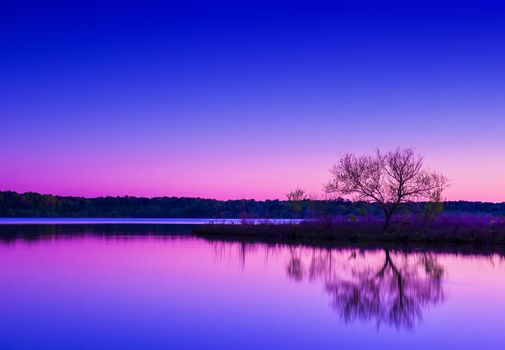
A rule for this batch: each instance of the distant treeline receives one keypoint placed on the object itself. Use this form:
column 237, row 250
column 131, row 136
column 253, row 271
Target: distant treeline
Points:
column 31, row 204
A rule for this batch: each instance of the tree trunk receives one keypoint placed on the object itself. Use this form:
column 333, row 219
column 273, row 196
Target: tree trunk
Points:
column 387, row 221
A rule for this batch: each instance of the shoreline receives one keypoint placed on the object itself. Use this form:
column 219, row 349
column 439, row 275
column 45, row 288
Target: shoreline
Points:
column 356, row 232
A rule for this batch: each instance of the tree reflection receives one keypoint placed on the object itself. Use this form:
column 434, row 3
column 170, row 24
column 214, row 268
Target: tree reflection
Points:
column 382, row 286
column 391, row 291
column 294, row 268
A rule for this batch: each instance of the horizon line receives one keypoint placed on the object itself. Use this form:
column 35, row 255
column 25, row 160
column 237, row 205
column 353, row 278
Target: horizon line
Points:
column 228, row 199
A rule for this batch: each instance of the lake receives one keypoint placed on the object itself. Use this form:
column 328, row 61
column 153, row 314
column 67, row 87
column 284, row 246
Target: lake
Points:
column 108, row 290
column 140, row 221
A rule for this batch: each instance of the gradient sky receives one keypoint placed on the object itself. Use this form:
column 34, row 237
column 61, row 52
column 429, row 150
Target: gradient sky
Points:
column 246, row 101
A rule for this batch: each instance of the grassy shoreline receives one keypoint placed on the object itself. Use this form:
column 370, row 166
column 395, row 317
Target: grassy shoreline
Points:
column 448, row 233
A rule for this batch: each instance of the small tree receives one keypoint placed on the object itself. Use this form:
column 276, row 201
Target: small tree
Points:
column 433, row 207
column 387, row 179
column 295, row 199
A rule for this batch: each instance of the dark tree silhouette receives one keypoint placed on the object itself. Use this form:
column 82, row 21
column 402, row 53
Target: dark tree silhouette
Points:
column 296, row 198
column 26, row 205
column 387, row 179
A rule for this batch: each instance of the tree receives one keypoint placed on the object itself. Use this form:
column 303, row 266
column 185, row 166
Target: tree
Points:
column 434, row 207
column 295, row 199
column 388, row 179
column 296, row 195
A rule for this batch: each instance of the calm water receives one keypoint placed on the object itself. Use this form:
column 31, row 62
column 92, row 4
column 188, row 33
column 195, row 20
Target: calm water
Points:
column 182, row 292
column 141, row 221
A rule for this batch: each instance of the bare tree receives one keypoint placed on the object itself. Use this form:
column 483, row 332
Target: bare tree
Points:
column 295, row 199
column 296, row 195
column 388, row 179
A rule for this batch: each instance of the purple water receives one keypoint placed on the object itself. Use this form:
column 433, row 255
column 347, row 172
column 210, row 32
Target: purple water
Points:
column 170, row 292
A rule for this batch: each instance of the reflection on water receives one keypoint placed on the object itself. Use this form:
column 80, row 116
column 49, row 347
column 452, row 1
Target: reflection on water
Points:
column 151, row 287
column 387, row 287
column 393, row 294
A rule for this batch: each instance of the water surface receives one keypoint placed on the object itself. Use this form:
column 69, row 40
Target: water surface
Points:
column 139, row 221
column 181, row 292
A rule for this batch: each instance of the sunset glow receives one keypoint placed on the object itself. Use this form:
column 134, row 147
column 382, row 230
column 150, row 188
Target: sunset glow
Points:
column 246, row 101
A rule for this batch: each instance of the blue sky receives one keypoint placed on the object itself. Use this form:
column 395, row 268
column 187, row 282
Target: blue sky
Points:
column 251, row 99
